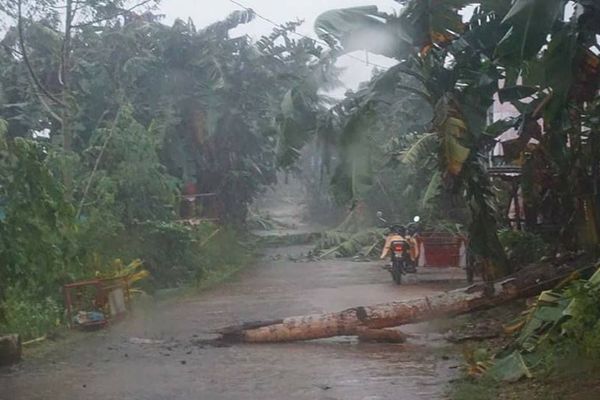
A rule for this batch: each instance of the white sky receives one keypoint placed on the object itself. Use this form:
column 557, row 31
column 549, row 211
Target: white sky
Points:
column 204, row 12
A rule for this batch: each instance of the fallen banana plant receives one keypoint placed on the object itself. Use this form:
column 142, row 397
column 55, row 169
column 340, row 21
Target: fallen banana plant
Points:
column 258, row 221
column 131, row 273
column 335, row 244
column 542, row 323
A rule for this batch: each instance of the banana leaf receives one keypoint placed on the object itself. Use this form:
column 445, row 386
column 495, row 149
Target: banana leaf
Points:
column 559, row 69
column 510, row 368
column 343, row 244
column 594, row 280
column 433, row 23
column 434, row 189
column 528, row 24
column 540, row 322
column 499, row 127
column 454, row 154
column 362, row 28
column 423, row 148
column 516, row 93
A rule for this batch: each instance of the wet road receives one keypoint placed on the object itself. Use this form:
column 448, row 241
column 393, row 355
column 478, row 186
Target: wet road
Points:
column 157, row 354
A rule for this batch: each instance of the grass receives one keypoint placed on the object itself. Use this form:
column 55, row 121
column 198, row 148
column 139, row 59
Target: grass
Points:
column 28, row 316
column 467, row 389
column 209, row 280
column 570, row 384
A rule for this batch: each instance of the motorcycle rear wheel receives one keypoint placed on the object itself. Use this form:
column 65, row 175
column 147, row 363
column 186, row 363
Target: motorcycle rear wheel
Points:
column 397, row 272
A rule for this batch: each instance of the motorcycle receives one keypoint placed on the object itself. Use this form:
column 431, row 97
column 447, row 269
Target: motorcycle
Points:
column 402, row 246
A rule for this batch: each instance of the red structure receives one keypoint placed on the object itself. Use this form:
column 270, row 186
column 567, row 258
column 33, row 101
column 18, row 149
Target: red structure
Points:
column 196, row 206
column 93, row 295
column 442, row 249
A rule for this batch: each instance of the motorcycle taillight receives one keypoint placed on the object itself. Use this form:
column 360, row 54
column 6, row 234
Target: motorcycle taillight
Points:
column 398, row 247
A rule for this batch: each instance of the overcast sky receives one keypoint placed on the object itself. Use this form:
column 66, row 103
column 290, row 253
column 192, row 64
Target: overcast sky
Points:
column 204, row 12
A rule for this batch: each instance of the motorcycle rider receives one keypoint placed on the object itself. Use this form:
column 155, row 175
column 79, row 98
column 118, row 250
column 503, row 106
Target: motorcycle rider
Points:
column 398, row 233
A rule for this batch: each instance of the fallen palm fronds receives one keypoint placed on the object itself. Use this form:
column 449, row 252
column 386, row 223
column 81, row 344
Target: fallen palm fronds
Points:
column 364, row 243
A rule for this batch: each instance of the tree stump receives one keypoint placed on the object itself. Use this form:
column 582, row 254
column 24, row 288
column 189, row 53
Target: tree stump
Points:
column 10, row 349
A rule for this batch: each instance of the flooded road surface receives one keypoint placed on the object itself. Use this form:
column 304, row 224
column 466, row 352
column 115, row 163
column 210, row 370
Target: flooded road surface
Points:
column 158, row 354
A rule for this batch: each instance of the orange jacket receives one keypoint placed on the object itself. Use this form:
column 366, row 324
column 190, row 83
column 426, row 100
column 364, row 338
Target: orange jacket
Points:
column 414, row 246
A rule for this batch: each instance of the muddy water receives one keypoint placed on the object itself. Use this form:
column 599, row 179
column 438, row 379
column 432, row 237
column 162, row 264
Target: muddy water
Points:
column 158, row 355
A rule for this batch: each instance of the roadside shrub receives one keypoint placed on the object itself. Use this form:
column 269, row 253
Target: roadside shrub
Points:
column 177, row 255
column 30, row 316
column 523, row 248
column 582, row 330
column 223, row 253
column 37, row 251
column 44, row 245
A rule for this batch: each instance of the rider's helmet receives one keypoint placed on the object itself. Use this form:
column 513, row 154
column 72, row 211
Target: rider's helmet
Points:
column 399, row 230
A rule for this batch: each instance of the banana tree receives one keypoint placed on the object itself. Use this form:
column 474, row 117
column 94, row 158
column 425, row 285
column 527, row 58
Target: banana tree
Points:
column 554, row 63
column 453, row 71
column 546, row 55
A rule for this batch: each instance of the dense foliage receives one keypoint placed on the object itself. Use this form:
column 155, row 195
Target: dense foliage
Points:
column 37, row 252
column 523, row 248
column 540, row 56
column 107, row 115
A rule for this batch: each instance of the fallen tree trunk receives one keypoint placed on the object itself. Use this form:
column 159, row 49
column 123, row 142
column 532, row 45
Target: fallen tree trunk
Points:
column 381, row 335
column 10, row 349
column 357, row 320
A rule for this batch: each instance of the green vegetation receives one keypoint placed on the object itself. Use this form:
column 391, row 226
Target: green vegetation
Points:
column 538, row 56
column 365, row 243
column 575, row 382
column 106, row 114
column 550, row 350
column 523, row 248
column 37, row 230
column 454, row 69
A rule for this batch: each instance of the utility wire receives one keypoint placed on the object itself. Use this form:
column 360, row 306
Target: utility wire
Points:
column 270, row 21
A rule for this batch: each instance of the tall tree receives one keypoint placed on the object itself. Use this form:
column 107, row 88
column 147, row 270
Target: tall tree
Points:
column 63, row 18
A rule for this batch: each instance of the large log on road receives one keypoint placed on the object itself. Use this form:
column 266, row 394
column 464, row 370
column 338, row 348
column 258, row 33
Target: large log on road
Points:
column 353, row 321
column 10, row 349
